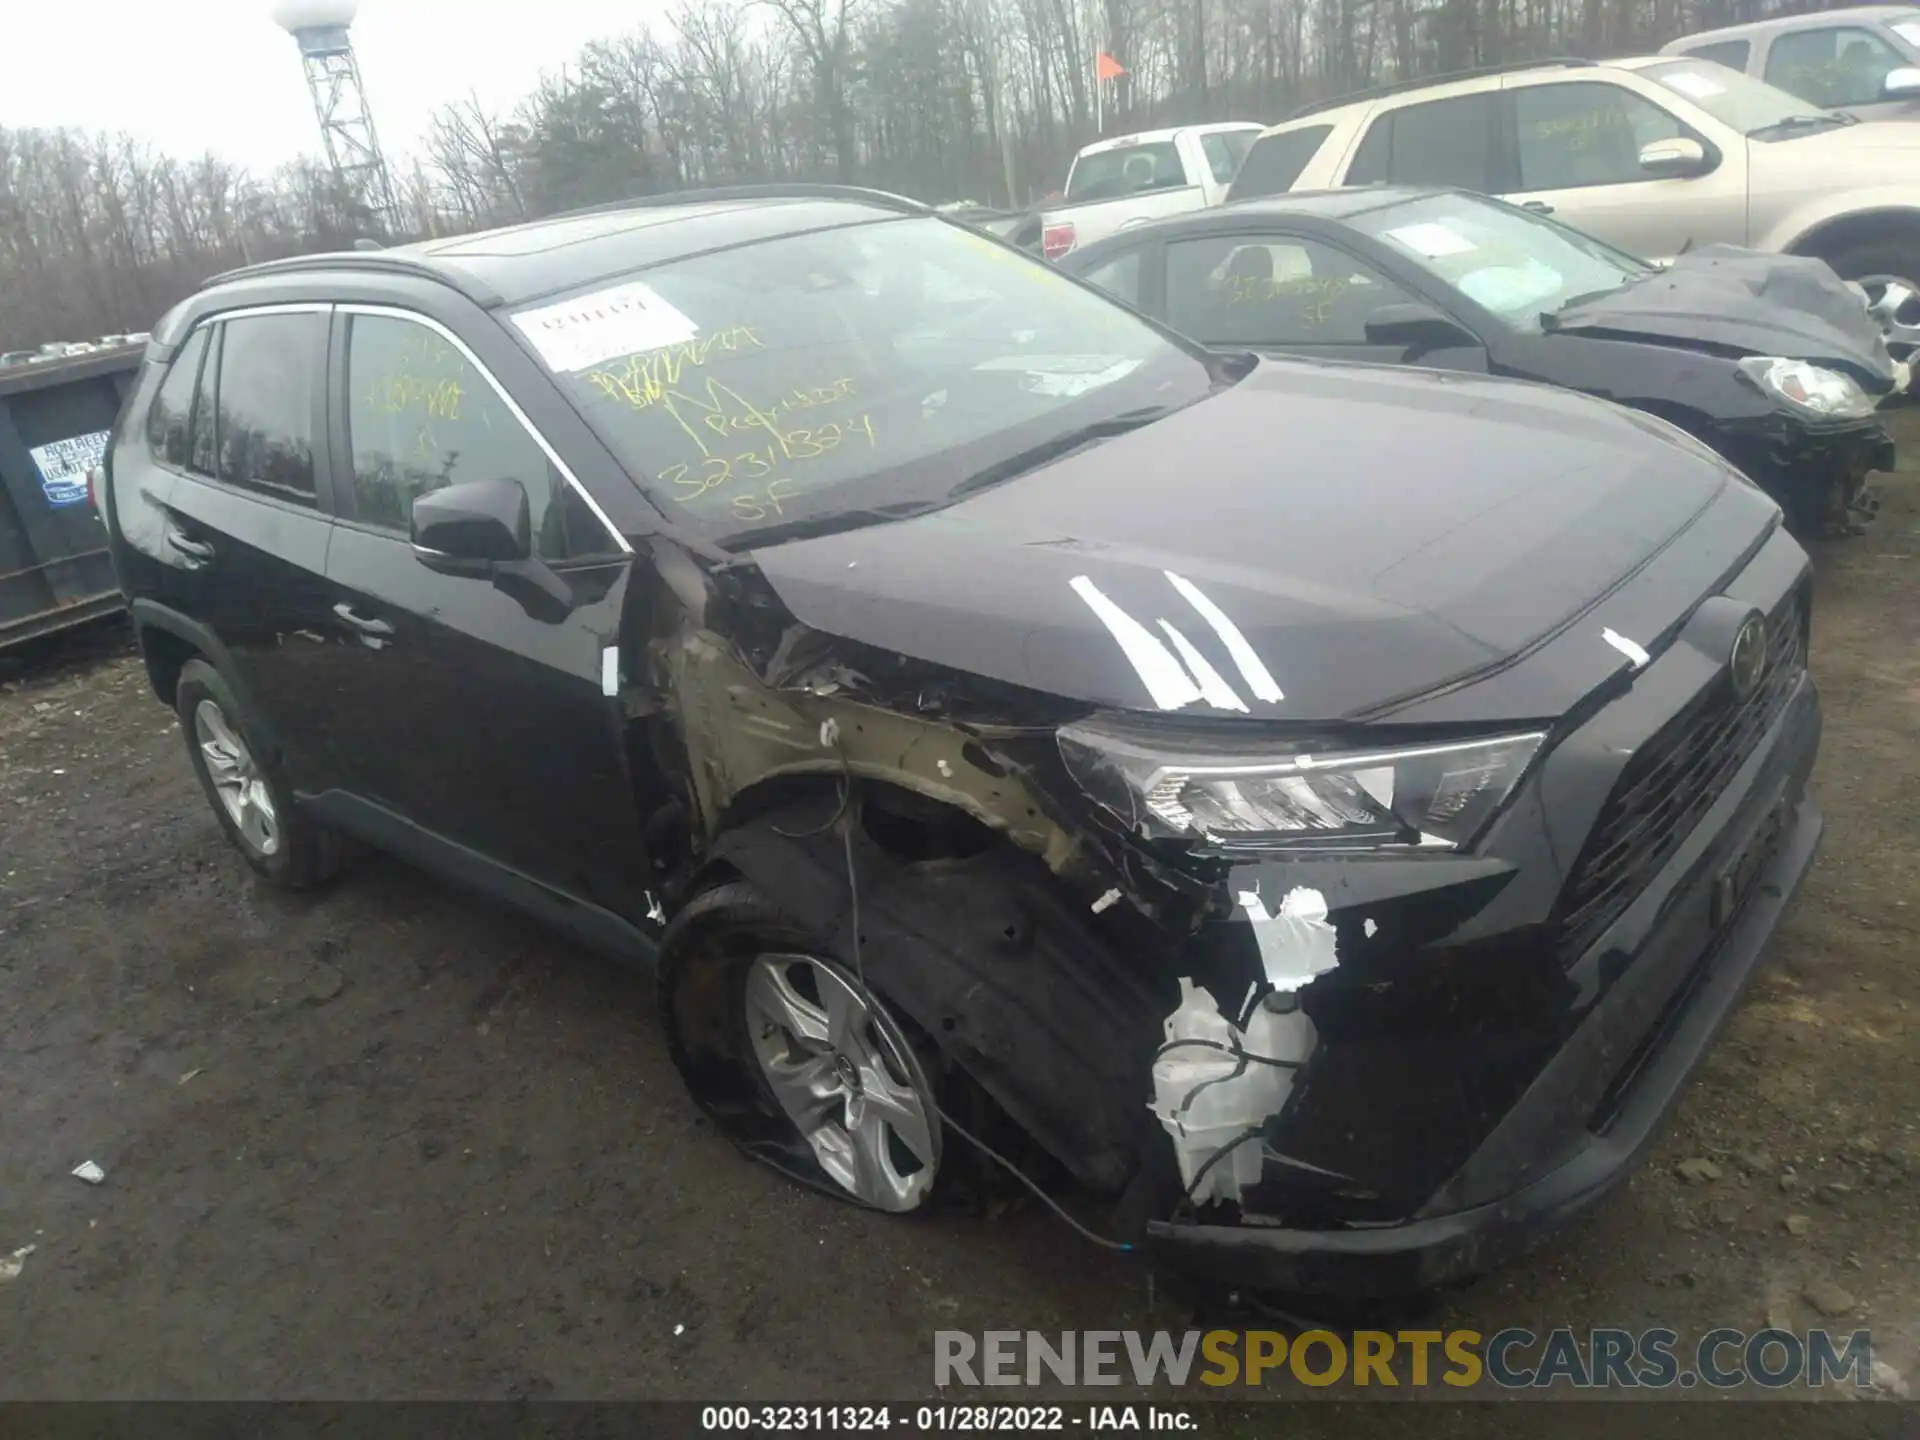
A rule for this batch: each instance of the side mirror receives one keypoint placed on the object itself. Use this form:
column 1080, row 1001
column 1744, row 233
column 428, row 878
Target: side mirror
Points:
column 483, row 530
column 1418, row 327
column 1901, row 84
column 1680, row 158
column 468, row 529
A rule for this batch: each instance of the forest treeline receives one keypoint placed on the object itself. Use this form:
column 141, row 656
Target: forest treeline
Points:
column 938, row 99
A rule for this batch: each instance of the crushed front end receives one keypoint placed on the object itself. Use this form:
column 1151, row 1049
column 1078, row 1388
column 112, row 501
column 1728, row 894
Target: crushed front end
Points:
column 1495, row 1034
column 1816, row 470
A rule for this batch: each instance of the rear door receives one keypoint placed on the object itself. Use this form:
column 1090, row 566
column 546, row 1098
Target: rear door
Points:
column 1577, row 146
column 482, row 729
column 246, row 519
column 1455, row 140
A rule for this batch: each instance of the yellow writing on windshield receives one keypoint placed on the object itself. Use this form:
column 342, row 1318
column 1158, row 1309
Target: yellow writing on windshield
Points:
column 643, row 380
column 691, row 481
column 720, row 410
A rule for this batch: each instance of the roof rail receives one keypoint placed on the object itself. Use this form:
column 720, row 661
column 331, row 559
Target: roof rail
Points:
column 1377, row 92
column 388, row 261
column 775, row 190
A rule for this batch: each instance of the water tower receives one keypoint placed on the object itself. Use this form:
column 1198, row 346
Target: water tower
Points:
column 320, row 28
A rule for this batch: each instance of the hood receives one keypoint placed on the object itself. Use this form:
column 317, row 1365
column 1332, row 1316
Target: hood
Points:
column 1307, row 545
column 1867, row 153
column 1745, row 300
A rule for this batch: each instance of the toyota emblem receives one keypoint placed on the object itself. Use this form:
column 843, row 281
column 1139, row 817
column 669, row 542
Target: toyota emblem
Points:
column 1749, row 659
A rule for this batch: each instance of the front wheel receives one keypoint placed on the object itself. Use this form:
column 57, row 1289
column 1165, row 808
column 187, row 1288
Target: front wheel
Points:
column 796, row 1061
column 1878, row 266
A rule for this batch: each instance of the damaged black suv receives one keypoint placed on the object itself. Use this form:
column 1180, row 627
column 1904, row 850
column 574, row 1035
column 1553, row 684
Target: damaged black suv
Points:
column 1327, row 810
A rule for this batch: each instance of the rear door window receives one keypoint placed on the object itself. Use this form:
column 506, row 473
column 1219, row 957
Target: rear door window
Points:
column 170, row 421
column 1275, row 162
column 264, row 426
column 1440, row 142
column 1128, row 170
column 1833, row 66
column 1272, row 290
column 1119, row 277
column 202, row 454
column 1731, row 53
column 1225, row 151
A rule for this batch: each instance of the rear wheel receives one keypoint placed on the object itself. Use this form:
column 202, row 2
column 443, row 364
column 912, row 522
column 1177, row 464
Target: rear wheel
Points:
column 248, row 797
column 795, row 1061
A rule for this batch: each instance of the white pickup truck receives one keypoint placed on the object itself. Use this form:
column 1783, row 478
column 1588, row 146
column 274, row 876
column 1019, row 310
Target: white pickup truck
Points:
column 1131, row 179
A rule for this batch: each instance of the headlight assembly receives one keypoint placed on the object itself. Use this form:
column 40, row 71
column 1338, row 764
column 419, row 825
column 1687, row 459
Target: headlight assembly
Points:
column 1416, row 797
column 1809, row 389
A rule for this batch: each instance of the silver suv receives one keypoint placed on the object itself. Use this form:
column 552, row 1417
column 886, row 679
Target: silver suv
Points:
column 1654, row 154
column 1865, row 60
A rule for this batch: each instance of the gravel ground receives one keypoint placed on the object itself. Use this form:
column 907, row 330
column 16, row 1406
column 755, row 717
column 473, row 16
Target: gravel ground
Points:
column 389, row 1142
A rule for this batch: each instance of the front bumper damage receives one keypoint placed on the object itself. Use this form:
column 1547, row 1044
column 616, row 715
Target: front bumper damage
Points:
column 1689, row 996
column 1481, row 1044
column 1491, row 1060
column 1818, row 473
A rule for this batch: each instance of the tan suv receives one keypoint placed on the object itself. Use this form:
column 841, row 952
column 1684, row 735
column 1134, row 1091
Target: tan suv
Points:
column 1655, row 154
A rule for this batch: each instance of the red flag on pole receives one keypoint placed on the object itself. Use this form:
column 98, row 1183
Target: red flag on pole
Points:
column 1105, row 67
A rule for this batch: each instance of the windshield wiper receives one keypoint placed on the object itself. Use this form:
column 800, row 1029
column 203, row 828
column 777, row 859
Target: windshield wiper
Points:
column 810, row 527
column 1059, row 446
column 1804, row 122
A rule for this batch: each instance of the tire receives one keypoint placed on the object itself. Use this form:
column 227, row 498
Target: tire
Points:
column 1895, row 255
column 878, row 1138
column 244, row 787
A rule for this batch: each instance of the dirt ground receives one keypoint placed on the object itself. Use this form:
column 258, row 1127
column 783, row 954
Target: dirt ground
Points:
column 390, row 1142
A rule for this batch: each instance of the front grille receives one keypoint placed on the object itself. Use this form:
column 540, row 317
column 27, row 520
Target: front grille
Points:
column 1672, row 781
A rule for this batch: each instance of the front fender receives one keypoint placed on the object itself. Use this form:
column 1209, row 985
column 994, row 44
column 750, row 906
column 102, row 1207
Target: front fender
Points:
column 1790, row 233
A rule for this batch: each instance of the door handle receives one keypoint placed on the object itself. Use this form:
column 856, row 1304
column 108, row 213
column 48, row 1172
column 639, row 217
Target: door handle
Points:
column 361, row 622
column 1538, row 207
column 197, row 552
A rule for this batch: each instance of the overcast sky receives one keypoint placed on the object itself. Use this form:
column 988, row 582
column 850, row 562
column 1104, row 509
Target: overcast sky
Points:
column 197, row 75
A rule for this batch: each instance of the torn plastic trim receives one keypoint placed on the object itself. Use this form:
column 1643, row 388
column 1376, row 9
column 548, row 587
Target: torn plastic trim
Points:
column 1296, row 943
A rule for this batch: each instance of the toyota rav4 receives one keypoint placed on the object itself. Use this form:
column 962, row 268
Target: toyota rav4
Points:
column 1326, row 811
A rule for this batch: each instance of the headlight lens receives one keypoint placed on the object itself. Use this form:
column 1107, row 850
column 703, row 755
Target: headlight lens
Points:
column 1810, row 389
column 1418, row 797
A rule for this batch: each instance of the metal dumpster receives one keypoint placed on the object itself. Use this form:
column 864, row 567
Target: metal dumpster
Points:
column 54, row 422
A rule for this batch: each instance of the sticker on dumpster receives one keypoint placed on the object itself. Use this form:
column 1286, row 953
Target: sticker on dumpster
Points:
column 64, row 465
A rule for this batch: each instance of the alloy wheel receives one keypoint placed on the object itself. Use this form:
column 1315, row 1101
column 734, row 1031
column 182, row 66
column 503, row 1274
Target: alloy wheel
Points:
column 844, row 1074
column 1894, row 301
column 236, row 778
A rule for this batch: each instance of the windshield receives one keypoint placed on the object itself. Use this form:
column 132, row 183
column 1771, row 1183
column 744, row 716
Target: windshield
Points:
column 1108, row 174
column 1514, row 263
column 826, row 376
column 1738, row 101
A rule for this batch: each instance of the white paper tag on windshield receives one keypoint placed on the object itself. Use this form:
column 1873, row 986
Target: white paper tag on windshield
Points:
column 1691, row 82
column 1064, row 375
column 1432, row 239
column 624, row 320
